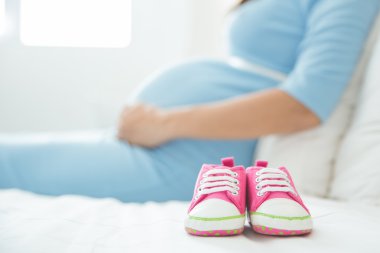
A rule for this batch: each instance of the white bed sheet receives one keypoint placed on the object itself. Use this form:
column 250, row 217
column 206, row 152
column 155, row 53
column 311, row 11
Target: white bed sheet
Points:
column 32, row 223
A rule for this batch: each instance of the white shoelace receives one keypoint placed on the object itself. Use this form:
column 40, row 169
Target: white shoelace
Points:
column 212, row 182
column 273, row 180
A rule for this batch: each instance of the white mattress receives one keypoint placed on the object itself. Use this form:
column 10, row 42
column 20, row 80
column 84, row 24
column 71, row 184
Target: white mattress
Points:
column 32, row 223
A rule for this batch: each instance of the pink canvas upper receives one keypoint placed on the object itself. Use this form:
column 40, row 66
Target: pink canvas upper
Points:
column 238, row 200
column 254, row 201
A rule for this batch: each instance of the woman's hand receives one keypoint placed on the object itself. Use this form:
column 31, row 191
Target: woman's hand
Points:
column 144, row 125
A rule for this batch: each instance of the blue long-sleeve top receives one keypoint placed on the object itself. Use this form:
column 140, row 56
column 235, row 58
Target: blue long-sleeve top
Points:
column 317, row 43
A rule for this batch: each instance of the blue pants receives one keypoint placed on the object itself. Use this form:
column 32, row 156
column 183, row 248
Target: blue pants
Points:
column 97, row 164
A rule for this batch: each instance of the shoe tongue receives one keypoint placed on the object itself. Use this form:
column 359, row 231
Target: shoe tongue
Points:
column 261, row 163
column 228, row 162
column 281, row 194
column 219, row 195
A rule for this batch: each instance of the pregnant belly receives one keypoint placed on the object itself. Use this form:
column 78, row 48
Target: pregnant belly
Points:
column 199, row 81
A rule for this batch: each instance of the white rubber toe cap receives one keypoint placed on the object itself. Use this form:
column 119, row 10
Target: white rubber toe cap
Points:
column 215, row 214
column 284, row 214
column 214, row 208
column 282, row 207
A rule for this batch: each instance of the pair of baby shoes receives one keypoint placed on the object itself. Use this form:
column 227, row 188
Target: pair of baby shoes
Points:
column 224, row 192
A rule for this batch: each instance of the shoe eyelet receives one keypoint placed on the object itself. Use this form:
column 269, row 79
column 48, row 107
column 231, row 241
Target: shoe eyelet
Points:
column 196, row 197
column 258, row 187
column 199, row 189
column 201, row 182
column 260, row 194
column 237, row 182
column 258, row 173
column 237, row 188
column 204, row 175
column 236, row 174
column 257, row 179
column 235, row 193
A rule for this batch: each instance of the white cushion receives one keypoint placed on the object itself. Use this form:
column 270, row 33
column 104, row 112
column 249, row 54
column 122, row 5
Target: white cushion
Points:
column 310, row 155
column 357, row 171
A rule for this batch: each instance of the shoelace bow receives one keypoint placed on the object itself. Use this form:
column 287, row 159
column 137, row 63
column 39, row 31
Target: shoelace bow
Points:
column 273, row 180
column 212, row 182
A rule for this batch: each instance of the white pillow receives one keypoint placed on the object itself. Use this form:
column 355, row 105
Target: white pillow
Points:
column 310, row 155
column 357, row 170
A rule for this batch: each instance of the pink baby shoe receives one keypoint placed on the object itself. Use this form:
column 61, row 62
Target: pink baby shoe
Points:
column 274, row 205
column 218, row 205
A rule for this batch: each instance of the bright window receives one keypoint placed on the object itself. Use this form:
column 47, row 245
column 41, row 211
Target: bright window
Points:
column 2, row 16
column 76, row 23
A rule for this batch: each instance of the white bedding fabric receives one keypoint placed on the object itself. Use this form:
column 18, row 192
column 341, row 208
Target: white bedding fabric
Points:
column 32, row 223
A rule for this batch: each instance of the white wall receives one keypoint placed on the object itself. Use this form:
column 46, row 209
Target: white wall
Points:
column 50, row 89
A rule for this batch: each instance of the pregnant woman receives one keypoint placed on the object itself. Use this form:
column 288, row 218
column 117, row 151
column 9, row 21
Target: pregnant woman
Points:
column 290, row 62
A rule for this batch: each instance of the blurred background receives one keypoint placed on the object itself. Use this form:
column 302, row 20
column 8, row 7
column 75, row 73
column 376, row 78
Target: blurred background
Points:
column 50, row 81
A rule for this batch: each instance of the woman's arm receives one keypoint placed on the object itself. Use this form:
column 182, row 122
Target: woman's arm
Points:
column 246, row 117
